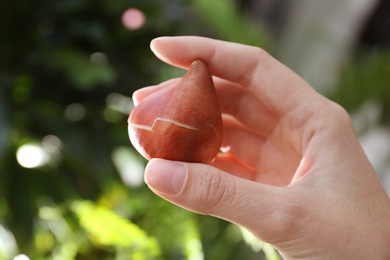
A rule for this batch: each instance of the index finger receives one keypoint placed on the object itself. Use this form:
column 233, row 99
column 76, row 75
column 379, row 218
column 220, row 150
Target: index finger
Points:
column 277, row 87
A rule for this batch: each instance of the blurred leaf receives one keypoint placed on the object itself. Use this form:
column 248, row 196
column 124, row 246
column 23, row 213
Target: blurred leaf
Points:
column 176, row 229
column 79, row 69
column 224, row 18
column 21, row 91
column 107, row 229
column 364, row 78
column 258, row 245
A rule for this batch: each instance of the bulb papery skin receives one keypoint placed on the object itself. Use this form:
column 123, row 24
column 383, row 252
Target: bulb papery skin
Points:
column 181, row 122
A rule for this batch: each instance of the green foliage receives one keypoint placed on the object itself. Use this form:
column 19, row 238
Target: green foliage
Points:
column 67, row 71
column 224, row 18
column 79, row 69
column 258, row 245
column 366, row 77
column 107, row 229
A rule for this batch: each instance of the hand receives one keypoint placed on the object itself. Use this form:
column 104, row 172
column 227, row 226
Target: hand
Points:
column 294, row 173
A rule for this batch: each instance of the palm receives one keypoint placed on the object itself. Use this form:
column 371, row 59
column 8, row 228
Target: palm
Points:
column 277, row 161
column 270, row 160
column 263, row 146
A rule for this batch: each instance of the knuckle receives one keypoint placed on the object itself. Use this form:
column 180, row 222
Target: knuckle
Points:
column 217, row 192
column 288, row 220
column 260, row 57
column 330, row 117
column 339, row 119
column 340, row 114
column 291, row 217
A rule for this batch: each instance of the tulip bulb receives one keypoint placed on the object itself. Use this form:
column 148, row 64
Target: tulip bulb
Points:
column 180, row 122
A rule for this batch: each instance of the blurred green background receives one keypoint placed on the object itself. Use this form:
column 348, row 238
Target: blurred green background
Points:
column 71, row 185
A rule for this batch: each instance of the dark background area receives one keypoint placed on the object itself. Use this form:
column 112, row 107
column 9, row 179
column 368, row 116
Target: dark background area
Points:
column 70, row 182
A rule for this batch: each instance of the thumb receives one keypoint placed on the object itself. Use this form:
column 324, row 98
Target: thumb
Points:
column 262, row 209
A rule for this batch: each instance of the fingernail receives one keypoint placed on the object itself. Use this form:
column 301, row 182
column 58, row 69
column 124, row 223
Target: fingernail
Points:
column 165, row 176
column 159, row 39
column 154, row 45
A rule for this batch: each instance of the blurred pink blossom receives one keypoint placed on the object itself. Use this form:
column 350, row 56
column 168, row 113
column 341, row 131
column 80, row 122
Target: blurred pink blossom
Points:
column 133, row 19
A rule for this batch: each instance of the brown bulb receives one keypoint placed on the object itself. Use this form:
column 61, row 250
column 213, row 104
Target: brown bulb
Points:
column 180, row 122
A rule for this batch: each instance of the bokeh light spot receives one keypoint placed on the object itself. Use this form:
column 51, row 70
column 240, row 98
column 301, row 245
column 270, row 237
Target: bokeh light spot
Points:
column 75, row 112
column 8, row 245
column 21, row 257
column 99, row 58
column 130, row 168
column 133, row 19
column 51, row 143
column 31, row 156
column 120, row 103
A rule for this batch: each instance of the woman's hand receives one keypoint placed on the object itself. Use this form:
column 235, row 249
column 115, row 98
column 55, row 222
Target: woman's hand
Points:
column 293, row 171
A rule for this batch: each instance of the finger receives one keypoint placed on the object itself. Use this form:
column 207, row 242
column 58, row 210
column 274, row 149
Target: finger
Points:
column 277, row 87
column 207, row 190
column 231, row 165
column 243, row 143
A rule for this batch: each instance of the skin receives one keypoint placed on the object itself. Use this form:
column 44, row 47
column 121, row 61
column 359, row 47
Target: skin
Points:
column 292, row 172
